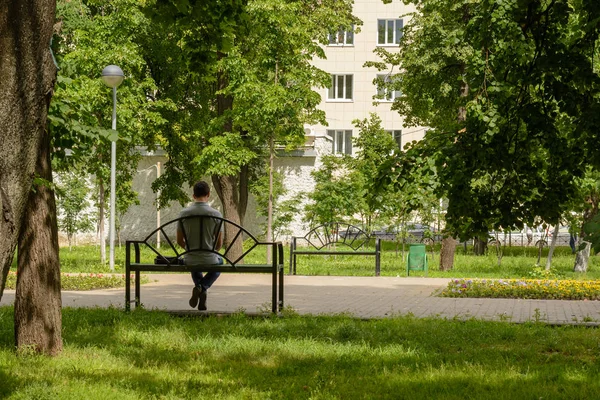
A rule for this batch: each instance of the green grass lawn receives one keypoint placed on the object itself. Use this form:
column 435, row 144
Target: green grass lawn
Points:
column 110, row 354
column 518, row 262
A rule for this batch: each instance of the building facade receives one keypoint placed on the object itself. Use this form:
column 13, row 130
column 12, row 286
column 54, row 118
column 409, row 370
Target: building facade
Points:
column 352, row 90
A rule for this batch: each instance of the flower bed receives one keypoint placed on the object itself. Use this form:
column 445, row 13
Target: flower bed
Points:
column 81, row 281
column 523, row 289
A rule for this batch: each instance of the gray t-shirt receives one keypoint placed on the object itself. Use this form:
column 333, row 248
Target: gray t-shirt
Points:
column 196, row 239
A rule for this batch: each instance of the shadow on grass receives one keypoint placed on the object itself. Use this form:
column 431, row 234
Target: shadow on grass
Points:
column 147, row 354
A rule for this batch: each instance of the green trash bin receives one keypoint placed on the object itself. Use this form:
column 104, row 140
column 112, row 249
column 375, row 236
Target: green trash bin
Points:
column 416, row 259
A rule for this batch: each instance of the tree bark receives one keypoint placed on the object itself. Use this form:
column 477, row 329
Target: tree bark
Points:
column 227, row 188
column 38, row 303
column 28, row 74
column 479, row 246
column 447, row 253
column 499, row 251
column 582, row 258
column 540, row 246
column 552, row 246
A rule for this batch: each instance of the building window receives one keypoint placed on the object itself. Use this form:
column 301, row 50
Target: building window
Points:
column 397, row 136
column 389, row 31
column 341, row 87
column 342, row 141
column 384, row 92
column 342, row 37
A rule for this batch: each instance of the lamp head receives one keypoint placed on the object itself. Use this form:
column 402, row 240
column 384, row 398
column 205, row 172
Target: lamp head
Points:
column 112, row 76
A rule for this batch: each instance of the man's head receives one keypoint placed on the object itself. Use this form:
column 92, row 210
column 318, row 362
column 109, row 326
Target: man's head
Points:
column 201, row 189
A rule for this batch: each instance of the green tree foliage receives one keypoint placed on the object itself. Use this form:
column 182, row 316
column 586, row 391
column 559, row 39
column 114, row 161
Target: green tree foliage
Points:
column 349, row 188
column 586, row 204
column 72, row 192
column 250, row 83
column 284, row 211
column 92, row 35
column 511, row 94
column 338, row 191
column 374, row 145
column 585, row 220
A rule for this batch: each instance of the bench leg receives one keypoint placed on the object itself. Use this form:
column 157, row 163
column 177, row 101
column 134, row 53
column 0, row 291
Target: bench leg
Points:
column 274, row 292
column 294, row 273
column 281, row 289
column 127, row 289
column 137, row 289
column 291, row 257
column 377, row 257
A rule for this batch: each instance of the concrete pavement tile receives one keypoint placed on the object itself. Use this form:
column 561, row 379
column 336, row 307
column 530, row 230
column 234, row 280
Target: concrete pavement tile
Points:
column 364, row 297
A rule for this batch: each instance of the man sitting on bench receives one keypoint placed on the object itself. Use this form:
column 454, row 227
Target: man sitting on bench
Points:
column 194, row 237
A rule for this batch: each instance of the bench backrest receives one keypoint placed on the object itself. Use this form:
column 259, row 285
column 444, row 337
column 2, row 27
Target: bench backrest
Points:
column 336, row 233
column 168, row 233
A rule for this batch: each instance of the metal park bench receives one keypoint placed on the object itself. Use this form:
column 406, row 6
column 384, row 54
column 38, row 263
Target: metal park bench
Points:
column 171, row 259
column 335, row 238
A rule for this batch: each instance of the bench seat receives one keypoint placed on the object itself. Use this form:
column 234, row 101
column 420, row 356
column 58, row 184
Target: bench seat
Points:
column 348, row 240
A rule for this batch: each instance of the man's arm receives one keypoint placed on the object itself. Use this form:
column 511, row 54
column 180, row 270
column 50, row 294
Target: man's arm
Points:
column 180, row 238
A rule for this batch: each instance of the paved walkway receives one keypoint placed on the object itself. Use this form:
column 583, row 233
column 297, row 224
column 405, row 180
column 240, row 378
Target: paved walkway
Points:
column 364, row 297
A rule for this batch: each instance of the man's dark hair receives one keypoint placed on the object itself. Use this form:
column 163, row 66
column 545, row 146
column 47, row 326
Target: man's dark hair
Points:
column 201, row 189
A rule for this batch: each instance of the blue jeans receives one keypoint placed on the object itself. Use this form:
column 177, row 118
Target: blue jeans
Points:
column 206, row 281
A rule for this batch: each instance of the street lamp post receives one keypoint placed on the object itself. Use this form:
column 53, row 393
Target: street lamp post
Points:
column 112, row 77
column 157, row 207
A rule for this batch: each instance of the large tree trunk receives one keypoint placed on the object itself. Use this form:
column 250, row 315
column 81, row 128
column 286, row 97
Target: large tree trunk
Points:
column 479, row 246
column 582, row 258
column 232, row 190
column 447, row 253
column 234, row 199
column 448, row 243
column 38, row 302
column 28, row 74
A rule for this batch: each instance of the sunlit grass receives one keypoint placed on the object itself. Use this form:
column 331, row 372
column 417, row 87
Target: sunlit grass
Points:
column 81, row 281
column 517, row 263
column 110, row 354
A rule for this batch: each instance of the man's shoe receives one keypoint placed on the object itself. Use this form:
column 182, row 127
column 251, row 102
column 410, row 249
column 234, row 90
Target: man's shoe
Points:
column 202, row 303
column 196, row 292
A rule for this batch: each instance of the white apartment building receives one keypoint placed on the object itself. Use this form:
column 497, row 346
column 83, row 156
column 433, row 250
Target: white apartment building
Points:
column 352, row 89
column 350, row 97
